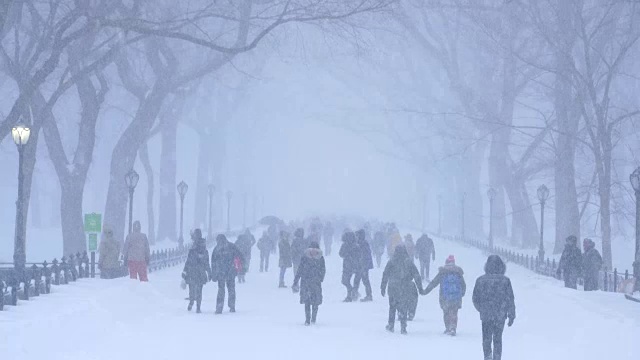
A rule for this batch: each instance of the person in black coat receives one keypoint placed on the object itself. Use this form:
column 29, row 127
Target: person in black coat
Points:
column 349, row 254
column 298, row 246
column 425, row 252
column 310, row 276
column 197, row 271
column 401, row 277
column 591, row 265
column 285, row 261
column 245, row 243
column 226, row 260
column 365, row 263
column 378, row 244
column 570, row 265
column 264, row 245
column 494, row 300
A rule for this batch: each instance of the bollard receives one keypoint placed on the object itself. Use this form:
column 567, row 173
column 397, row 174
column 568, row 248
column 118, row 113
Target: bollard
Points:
column 605, row 282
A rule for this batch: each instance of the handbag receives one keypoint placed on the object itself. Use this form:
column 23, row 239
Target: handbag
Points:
column 183, row 284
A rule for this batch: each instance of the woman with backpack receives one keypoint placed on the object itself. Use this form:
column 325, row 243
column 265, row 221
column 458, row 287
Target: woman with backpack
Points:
column 452, row 289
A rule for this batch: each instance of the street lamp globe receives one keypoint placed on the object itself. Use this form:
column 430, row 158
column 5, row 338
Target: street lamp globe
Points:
column 543, row 193
column 131, row 178
column 491, row 193
column 20, row 134
column 182, row 188
column 635, row 179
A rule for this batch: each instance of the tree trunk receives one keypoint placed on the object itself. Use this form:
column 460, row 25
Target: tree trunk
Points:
column 200, row 218
column 167, row 215
column 71, row 217
column 148, row 170
column 36, row 206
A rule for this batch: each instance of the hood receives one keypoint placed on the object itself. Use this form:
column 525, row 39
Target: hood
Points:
column 313, row 253
column 451, row 268
column 495, row 266
column 136, row 227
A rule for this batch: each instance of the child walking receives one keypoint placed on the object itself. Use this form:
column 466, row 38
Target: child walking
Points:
column 452, row 289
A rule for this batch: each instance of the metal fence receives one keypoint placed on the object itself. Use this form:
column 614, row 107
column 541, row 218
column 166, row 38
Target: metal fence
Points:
column 610, row 281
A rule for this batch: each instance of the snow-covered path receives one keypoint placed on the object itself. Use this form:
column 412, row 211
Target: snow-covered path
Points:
column 123, row 319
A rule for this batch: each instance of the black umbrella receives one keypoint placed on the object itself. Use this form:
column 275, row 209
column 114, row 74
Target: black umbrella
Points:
column 272, row 221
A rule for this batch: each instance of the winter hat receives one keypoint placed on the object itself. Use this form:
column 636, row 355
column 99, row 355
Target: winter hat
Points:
column 572, row 240
column 588, row 243
column 221, row 238
column 451, row 260
column 196, row 234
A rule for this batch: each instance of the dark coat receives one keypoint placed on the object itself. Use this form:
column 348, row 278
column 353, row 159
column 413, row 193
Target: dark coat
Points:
column 365, row 259
column 197, row 270
column 350, row 254
column 222, row 261
column 378, row 244
column 446, row 275
column 245, row 243
column 285, row 260
column 425, row 250
column 571, row 261
column 264, row 244
column 311, row 275
column 493, row 294
column 298, row 246
column 401, row 277
column 591, row 265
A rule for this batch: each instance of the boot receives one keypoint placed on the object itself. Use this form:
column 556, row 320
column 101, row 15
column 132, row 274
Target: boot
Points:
column 198, row 310
column 355, row 295
column 190, row 305
column 282, row 286
column 232, row 310
column 389, row 328
column 348, row 299
column 368, row 298
column 314, row 315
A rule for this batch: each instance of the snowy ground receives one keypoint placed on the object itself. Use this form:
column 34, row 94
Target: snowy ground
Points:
column 123, row 319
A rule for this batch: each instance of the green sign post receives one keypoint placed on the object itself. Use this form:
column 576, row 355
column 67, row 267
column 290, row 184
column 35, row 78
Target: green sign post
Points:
column 92, row 226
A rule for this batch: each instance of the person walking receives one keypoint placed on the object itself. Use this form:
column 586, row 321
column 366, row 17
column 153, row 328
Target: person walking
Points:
column 245, row 243
column 365, row 263
column 109, row 263
column 395, row 239
column 349, row 254
column 401, row 278
column 298, row 246
column 137, row 253
column 591, row 265
column 570, row 264
column 224, row 259
column 452, row 289
column 264, row 245
column 411, row 246
column 377, row 246
column 196, row 272
column 310, row 276
column 493, row 298
column 425, row 252
column 327, row 236
column 285, row 261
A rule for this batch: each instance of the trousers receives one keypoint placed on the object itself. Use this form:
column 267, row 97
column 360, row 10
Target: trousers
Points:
column 138, row 269
column 492, row 333
column 230, row 285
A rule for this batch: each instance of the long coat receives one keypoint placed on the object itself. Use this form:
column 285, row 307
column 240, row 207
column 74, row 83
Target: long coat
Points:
column 425, row 250
column 285, row 260
column 452, row 277
column 591, row 265
column 365, row 260
column 197, row 270
column 298, row 246
column 350, row 254
column 570, row 262
column 401, row 278
column 311, row 275
column 223, row 261
column 109, row 253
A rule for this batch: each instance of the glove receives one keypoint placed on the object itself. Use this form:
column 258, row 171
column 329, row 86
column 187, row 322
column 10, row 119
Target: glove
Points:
column 423, row 292
column 184, row 275
column 383, row 291
column 295, row 289
column 511, row 319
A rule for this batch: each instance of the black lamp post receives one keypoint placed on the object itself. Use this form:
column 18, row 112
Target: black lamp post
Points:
column 635, row 182
column 20, row 136
column 212, row 190
column 491, row 193
column 131, row 179
column 229, row 195
column 543, row 195
column 182, row 191
column 439, row 214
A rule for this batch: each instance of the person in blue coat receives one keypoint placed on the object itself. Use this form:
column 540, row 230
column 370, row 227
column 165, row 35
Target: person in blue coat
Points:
column 197, row 271
column 308, row 281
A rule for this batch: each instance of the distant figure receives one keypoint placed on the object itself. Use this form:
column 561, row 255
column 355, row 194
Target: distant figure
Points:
column 591, row 265
column 411, row 246
column 377, row 246
column 136, row 253
column 394, row 240
column 425, row 252
column 327, row 235
column 245, row 243
column 494, row 300
column 570, row 263
column 452, row 290
column 365, row 263
column 285, row 261
column 264, row 245
column 109, row 264
column 402, row 278
column 197, row 271
column 272, row 231
column 224, row 259
column 298, row 247
column 350, row 257
column 310, row 274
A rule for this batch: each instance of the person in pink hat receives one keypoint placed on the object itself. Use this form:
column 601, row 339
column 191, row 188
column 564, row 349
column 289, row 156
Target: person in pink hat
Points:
column 452, row 289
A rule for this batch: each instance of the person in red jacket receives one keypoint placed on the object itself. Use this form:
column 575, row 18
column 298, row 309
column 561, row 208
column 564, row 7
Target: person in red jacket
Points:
column 137, row 253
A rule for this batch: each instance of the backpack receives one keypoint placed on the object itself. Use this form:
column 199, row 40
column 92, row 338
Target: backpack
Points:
column 451, row 287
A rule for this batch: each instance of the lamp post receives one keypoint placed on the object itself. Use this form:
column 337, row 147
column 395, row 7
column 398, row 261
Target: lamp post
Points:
column 543, row 195
column 464, row 197
column 20, row 136
column 212, row 190
column 244, row 211
column 491, row 193
column 439, row 214
column 182, row 191
column 229, row 195
column 635, row 182
column 131, row 179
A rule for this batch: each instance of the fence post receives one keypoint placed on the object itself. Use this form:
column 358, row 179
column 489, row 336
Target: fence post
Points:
column 606, row 280
column 626, row 274
column 615, row 279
